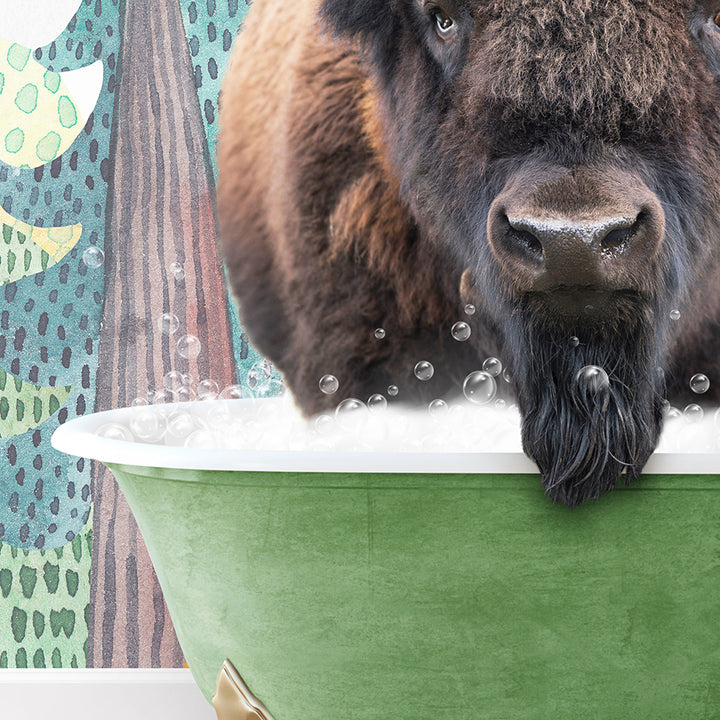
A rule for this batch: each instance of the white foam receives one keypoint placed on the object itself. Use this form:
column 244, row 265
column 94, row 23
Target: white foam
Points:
column 270, row 425
column 278, row 425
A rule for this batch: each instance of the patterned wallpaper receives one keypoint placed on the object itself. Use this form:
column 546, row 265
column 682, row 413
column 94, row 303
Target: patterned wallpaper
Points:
column 62, row 118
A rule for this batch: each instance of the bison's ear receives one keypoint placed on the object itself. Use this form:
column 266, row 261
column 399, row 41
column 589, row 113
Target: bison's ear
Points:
column 356, row 17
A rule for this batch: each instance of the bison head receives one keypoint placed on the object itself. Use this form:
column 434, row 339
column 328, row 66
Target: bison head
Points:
column 565, row 155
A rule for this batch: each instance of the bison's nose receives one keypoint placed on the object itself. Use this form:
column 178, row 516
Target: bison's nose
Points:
column 561, row 250
column 609, row 245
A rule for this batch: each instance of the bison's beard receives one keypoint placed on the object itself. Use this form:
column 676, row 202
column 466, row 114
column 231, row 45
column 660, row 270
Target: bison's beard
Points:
column 584, row 441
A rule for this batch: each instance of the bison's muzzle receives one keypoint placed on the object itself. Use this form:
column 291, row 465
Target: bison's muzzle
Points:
column 578, row 250
column 555, row 228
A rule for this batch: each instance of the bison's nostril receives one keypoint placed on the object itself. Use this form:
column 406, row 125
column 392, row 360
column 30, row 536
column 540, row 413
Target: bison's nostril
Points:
column 522, row 241
column 619, row 238
column 527, row 241
column 616, row 239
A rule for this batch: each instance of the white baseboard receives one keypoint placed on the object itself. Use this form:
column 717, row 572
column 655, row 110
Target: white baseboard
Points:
column 102, row 694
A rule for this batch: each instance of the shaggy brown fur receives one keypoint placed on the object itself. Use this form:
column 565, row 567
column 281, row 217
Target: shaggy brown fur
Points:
column 360, row 156
column 307, row 160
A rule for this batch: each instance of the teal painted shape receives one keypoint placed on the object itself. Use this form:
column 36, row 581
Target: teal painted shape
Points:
column 420, row 596
column 54, row 316
column 211, row 27
column 18, row 56
column 26, row 99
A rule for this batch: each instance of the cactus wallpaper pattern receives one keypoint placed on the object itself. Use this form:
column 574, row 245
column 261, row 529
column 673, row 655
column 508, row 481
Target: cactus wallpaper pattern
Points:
column 61, row 124
column 44, row 605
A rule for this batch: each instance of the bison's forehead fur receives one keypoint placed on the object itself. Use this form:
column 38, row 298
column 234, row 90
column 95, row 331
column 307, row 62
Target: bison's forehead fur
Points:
column 579, row 81
column 611, row 61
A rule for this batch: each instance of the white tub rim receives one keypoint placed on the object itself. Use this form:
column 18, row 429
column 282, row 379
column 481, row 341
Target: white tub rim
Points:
column 78, row 437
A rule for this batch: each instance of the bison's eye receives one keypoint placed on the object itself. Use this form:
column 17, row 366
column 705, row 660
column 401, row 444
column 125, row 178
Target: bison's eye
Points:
column 444, row 23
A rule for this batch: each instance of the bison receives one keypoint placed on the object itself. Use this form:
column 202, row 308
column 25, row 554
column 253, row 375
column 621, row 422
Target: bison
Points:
column 554, row 162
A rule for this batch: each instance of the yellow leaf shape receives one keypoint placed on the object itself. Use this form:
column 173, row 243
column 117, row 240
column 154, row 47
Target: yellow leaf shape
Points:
column 40, row 115
column 26, row 249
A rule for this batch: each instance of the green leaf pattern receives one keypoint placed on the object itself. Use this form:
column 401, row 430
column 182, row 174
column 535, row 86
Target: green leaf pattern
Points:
column 44, row 604
column 23, row 406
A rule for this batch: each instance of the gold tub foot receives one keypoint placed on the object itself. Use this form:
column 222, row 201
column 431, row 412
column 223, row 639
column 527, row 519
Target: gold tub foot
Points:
column 233, row 700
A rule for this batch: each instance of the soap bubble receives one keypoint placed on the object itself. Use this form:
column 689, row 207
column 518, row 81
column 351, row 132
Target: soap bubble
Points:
column 208, row 390
column 188, row 347
column 351, row 414
column 115, row 431
column 272, row 387
column 574, row 341
column 379, row 333
column 469, row 309
column 147, row 424
column 506, row 376
column 492, row 366
column 259, row 372
column 592, row 379
column 217, row 417
column 392, row 390
column 351, row 427
column 93, row 257
column 177, row 271
column 461, row 331
column 674, row 314
column 323, row 424
column 376, row 402
column 699, row 383
column 179, row 426
column 479, row 387
column 672, row 413
column 500, row 404
column 438, row 408
column 185, row 394
column 173, row 380
column 201, row 440
column 139, row 402
column 329, row 384
column 424, row 370
column 161, row 396
column 693, row 413
column 168, row 323
column 232, row 392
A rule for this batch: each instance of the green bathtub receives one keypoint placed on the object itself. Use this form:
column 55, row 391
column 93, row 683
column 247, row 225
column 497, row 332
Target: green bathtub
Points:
column 421, row 586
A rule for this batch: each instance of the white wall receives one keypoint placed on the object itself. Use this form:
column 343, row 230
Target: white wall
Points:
column 71, row 694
